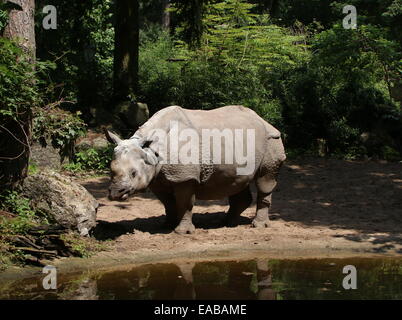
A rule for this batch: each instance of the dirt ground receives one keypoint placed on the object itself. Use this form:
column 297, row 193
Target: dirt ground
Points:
column 320, row 208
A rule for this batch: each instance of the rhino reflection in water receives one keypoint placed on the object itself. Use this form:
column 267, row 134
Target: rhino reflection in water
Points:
column 212, row 170
column 228, row 284
column 188, row 280
column 264, row 276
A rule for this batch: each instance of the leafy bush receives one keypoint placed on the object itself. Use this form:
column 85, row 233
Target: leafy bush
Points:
column 343, row 92
column 60, row 127
column 335, row 95
column 3, row 16
column 18, row 92
column 13, row 202
column 23, row 90
column 83, row 47
column 167, row 77
column 91, row 159
column 158, row 77
column 235, row 65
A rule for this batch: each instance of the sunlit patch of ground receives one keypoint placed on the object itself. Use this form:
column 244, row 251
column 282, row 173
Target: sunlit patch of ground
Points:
column 326, row 205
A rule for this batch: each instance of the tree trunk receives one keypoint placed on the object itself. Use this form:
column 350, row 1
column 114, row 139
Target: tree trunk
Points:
column 21, row 26
column 166, row 14
column 126, row 49
column 15, row 136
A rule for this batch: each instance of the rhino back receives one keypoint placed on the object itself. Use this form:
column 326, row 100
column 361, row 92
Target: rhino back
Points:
column 268, row 146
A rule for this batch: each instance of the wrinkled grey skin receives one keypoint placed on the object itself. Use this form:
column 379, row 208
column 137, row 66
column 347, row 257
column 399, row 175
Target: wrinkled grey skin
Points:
column 137, row 165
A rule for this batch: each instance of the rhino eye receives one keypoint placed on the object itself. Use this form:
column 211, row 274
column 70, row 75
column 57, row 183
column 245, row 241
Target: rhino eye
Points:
column 133, row 173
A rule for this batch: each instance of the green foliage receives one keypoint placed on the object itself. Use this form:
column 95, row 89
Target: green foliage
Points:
column 33, row 168
column 91, row 159
column 83, row 247
column 83, row 47
column 18, row 92
column 297, row 67
column 60, row 127
column 189, row 16
column 23, row 90
column 239, row 58
column 158, row 77
column 315, row 82
column 237, row 36
column 343, row 92
column 168, row 75
column 13, row 202
column 390, row 154
column 3, row 16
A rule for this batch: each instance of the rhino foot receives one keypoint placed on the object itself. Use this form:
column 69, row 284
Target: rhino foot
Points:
column 260, row 224
column 169, row 224
column 185, row 228
column 231, row 222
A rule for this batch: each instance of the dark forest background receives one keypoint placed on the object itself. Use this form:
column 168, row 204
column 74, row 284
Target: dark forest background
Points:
column 331, row 91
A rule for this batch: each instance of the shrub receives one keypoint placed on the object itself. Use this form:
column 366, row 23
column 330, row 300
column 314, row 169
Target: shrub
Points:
column 59, row 127
column 22, row 91
column 158, row 76
column 12, row 201
column 83, row 47
column 342, row 93
column 91, row 159
column 18, row 92
column 324, row 88
column 171, row 74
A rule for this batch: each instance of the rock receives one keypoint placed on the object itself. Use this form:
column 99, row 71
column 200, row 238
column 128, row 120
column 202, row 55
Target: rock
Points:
column 83, row 144
column 86, row 143
column 128, row 116
column 66, row 202
column 100, row 143
column 91, row 140
column 45, row 157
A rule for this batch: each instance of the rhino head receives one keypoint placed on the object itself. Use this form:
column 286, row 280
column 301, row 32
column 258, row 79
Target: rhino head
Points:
column 133, row 167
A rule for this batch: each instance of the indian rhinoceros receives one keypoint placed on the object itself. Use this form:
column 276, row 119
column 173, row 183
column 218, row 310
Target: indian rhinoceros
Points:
column 183, row 154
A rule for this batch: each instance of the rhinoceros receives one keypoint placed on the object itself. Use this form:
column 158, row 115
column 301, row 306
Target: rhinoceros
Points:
column 182, row 155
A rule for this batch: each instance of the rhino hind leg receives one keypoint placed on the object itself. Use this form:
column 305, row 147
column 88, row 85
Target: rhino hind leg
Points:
column 238, row 203
column 185, row 198
column 265, row 186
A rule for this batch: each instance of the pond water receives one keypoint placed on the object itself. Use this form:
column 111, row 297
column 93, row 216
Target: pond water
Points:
column 248, row 279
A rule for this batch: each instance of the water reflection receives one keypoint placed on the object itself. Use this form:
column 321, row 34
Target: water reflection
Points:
column 252, row 279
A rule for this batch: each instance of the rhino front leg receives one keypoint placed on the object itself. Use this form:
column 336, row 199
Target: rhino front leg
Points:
column 185, row 198
column 169, row 202
column 265, row 186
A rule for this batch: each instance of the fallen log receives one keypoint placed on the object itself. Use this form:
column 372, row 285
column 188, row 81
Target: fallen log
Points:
column 38, row 252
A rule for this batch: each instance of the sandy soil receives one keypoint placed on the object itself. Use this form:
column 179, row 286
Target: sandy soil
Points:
column 321, row 207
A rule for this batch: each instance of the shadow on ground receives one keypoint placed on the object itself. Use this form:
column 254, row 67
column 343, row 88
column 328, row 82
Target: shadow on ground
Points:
column 112, row 230
column 365, row 197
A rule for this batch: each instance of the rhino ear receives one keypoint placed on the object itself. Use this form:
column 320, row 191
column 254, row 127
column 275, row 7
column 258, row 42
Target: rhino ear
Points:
column 150, row 148
column 111, row 137
column 151, row 157
column 146, row 144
